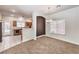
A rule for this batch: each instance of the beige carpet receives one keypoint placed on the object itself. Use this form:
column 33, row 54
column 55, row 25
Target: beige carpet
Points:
column 43, row 45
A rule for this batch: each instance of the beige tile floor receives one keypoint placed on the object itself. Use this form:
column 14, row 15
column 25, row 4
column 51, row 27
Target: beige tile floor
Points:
column 9, row 41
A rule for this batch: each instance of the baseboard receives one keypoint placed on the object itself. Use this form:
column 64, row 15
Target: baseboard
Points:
column 35, row 38
column 10, row 46
column 76, row 43
column 40, row 36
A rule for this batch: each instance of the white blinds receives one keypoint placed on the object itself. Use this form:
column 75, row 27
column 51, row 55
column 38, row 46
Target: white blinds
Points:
column 57, row 26
column 53, row 27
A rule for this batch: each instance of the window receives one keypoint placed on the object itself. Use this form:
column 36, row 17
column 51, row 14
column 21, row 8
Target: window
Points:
column 20, row 24
column 53, row 27
column 57, row 26
column 6, row 27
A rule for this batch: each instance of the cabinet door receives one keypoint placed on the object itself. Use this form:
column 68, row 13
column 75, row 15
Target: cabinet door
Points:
column 14, row 23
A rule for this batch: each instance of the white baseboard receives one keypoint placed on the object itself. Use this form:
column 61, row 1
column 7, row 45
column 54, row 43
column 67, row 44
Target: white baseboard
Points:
column 63, row 39
column 40, row 36
column 10, row 46
column 35, row 38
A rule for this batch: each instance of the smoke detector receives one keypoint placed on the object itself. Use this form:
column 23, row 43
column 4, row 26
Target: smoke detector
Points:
column 49, row 8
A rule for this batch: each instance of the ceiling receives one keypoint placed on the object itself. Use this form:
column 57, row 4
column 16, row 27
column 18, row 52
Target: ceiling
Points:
column 27, row 10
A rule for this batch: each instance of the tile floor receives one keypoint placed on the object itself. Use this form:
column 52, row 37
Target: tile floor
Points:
column 44, row 45
column 9, row 41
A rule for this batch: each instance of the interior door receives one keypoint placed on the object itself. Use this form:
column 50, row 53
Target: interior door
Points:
column 0, row 31
column 40, row 25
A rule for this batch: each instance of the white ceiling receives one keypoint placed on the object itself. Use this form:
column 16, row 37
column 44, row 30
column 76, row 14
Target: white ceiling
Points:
column 27, row 10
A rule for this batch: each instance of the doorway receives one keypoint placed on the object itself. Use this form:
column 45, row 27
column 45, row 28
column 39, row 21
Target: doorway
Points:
column 40, row 27
column 0, row 31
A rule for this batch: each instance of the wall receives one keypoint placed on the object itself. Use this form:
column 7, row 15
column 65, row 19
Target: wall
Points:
column 29, row 34
column 34, row 16
column 72, row 25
